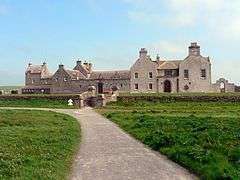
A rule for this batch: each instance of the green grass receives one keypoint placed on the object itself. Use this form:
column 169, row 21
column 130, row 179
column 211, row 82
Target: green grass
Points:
column 201, row 136
column 37, row 144
column 37, row 103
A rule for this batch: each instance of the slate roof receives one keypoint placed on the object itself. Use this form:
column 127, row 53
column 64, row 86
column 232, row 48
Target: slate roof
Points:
column 169, row 64
column 34, row 69
column 82, row 69
column 197, row 58
column 122, row 74
column 39, row 69
column 75, row 74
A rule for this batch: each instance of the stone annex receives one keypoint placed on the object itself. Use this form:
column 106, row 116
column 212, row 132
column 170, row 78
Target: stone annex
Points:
column 192, row 74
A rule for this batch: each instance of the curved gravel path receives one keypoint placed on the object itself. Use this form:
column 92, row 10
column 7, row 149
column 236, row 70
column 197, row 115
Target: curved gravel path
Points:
column 108, row 153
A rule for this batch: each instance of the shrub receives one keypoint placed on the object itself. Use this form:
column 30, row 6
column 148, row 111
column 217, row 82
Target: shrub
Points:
column 14, row 91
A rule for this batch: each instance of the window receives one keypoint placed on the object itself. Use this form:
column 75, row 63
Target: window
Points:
column 136, row 75
column 150, row 86
column 168, row 72
column 186, row 74
column 65, row 79
column 121, row 85
column 150, row 75
column 203, row 73
column 136, row 86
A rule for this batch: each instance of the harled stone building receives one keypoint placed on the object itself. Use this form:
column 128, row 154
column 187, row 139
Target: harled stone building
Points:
column 76, row 80
column 192, row 74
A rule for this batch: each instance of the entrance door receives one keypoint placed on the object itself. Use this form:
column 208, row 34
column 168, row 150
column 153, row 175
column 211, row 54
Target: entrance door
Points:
column 167, row 86
column 100, row 88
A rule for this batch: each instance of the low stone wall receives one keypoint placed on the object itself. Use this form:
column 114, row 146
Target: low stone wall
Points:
column 237, row 88
column 76, row 98
column 180, row 98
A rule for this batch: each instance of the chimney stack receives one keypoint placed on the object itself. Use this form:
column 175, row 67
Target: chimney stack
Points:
column 60, row 66
column 143, row 53
column 79, row 62
column 194, row 49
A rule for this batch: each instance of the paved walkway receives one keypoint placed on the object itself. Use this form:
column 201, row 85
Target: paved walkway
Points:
column 108, row 153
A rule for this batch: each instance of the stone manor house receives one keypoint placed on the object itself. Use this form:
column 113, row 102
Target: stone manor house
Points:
column 192, row 74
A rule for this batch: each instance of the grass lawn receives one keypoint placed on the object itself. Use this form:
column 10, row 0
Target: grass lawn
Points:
column 37, row 144
column 37, row 103
column 201, row 136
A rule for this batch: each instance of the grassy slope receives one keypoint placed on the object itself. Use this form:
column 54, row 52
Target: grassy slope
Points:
column 37, row 144
column 204, row 137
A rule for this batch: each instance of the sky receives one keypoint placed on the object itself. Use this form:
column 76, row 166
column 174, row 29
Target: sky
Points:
column 109, row 33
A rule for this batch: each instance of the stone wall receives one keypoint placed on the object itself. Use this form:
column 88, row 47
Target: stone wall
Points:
column 223, row 85
column 237, row 88
column 82, row 85
column 180, row 98
column 32, row 79
column 143, row 66
column 195, row 83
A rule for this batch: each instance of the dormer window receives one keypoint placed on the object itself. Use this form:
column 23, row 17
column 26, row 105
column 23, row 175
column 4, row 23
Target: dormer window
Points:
column 136, row 75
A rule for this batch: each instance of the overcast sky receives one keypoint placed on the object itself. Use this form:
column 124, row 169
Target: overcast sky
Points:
column 109, row 33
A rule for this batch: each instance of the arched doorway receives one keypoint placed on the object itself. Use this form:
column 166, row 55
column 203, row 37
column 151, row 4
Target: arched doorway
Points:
column 167, row 86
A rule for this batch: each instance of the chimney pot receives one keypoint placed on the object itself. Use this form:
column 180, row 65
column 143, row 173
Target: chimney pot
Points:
column 194, row 49
column 143, row 53
column 61, row 66
column 79, row 62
